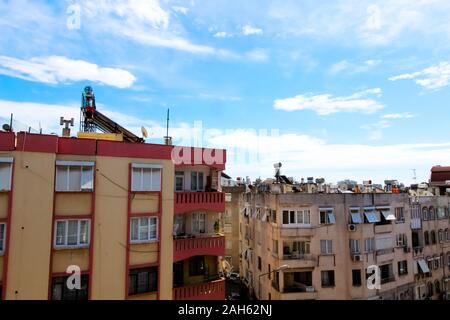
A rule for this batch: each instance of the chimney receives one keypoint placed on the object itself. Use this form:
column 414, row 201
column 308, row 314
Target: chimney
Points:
column 168, row 141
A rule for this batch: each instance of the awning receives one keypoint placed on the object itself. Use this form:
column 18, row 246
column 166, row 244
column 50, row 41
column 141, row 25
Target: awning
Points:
column 388, row 215
column 423, row 266
column 356, row 218
column 372, row 216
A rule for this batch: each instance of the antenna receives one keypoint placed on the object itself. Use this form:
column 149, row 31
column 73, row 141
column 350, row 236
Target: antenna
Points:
column 167, row 139
column 415, row 176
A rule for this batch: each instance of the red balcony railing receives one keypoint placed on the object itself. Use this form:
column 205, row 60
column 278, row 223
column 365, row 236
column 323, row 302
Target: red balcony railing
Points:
column 191, row 201
column 214, row 290
column 207, row 246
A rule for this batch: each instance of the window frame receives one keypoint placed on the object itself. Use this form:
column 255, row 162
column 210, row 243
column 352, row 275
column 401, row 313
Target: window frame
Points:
column 329, row 217
column 133, row 279
column 372, row 245
column 199, row 187
column 62, row 282
column 330, row 278
column 328, row 247
column 142, row 167
column 79, row 165
column 195, row 223
column 405, row 267
column 352, row 243
column 79, row 245
column 8, row 162
column 180, row 175
column 354, row 276
column 149, row 239
column 293, row 218
column 400, row 215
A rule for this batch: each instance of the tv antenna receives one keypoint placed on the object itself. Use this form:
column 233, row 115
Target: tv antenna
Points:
column 167, row 139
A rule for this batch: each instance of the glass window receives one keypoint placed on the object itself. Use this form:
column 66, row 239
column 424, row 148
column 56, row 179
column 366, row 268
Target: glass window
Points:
column 144, row 179
column 326, row 247
column 143, row 280
column 197, row 266
column 144, row 229
column 327, row 216
column 5, row 175
column 60, row 290
column 72, row 233
column 2, row 237
column 72, row 177
column 328, row 278
column 356, row 278
column 199, row 223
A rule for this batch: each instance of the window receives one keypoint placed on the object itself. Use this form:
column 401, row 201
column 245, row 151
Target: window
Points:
column 356, row 278
column 447, row 235
column 400, row 215
column 259, row 263
column 273, row 216
column 437, row 286
column 197, row 181
column 402, row 267
column 387, row 274
column 441, row 213
column 142, row 280
column 441, row 236
column 144, row 229
column 328, row 278
column 197, row 266
column 426, row 238
column 354, row 246
column 5, row 173
column 2, row 237
column 433, row 237
column 425, row 213
column 300, row 217
column 401, row 240
column 326, row 247
column 269, row 268
column 327, row 216
column 146, row 177
column 386, row 217
column 74, row 176
column 384, row 243
column 371, row 216
column 179, row 181
column 432, row 213
column 302, row 247
column 355, row 216
column 72, row 233
column 369, row 244
column 60, row 291
column 198, row 223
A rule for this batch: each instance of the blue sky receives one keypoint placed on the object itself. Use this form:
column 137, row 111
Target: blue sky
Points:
column 346, row 89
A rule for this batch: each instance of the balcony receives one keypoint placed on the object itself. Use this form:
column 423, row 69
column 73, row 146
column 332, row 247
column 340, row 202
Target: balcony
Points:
column 298, row 292
column 294, row 260
column 214, row 290
column 296, row 232
column 191, row 201
column 199, row 246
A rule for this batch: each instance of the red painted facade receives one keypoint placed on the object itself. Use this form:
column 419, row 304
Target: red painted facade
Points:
column 214, row 290
column 190, row 201
column 7, row 141
column 208, row 246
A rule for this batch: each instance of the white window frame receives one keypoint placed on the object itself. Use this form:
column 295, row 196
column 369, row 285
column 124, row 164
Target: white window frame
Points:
column 400, row 219
column 149, row 239
column 3, row 240
column 371, row 247
column 66, row 234
column 8, row 162
column 401, row 240
column 328, row 247
column 303, row 213
column 197, row 218
column 136, row 167
column 180, row 175
column 330, row 218
column 354, row 246
column 86, row 182
column 197, row 180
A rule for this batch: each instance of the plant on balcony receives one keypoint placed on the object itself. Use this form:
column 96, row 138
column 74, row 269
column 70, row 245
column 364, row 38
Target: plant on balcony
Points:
column 217, row 226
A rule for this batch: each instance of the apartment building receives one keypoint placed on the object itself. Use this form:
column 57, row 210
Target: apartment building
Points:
column 431, row 238
column 231, row 226
column 313, row 244
column 136, row 224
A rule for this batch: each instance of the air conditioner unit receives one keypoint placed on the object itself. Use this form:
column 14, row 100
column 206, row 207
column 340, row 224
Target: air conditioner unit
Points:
column 357, row 258
column 352, row 227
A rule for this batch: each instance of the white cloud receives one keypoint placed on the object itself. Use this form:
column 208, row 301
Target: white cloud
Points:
column 434, row 77
column 345, row 66
column 179, row 9
column 248, row 30
column 59, row 69
column 405, row 115
column 326, row 104
column 222, row 34
column 258, row 55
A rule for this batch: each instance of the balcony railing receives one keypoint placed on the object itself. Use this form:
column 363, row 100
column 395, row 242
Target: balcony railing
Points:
column 298, row 288
column 297, row 256
column 214, row 290
column 199, row 246
column 387, row 280
column 191, row 201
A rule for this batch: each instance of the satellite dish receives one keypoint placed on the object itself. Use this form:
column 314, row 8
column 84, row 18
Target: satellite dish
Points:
column 144, row 132
column 6, row 127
